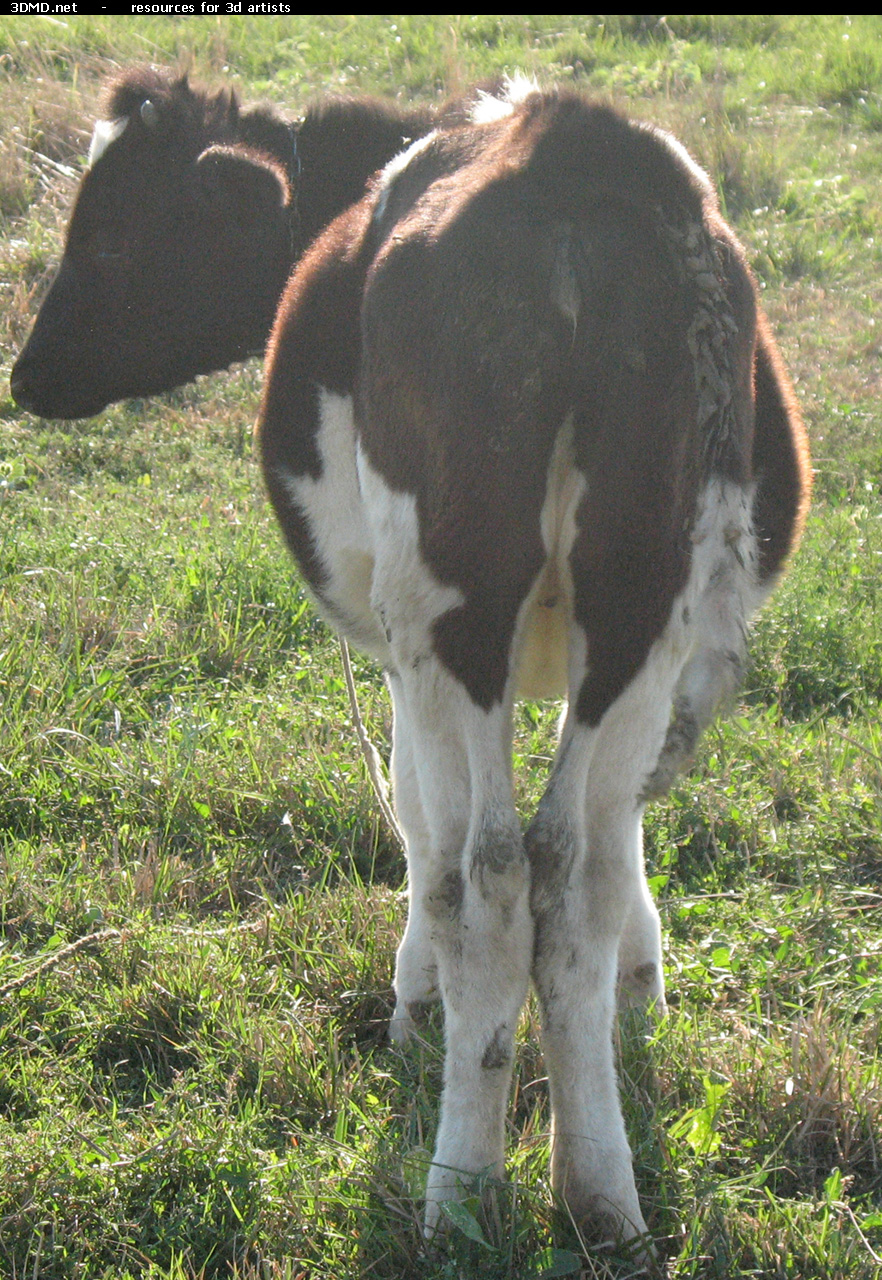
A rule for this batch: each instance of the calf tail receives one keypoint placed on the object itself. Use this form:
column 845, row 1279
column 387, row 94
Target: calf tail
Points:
column 781, row 461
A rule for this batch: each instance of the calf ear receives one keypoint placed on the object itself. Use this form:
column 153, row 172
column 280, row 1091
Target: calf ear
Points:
column 241, row 185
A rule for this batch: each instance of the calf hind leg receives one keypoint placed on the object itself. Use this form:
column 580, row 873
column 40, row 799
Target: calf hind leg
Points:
column 590, row 900
column 641, row 981
column 470, row 929
column 590, row 916
column 473, row 902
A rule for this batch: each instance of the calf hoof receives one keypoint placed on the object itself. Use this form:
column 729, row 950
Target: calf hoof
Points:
column 643, row 988
column 406, row 1020
column 596, row 1188
column 604, row 1226
column 447, row 1186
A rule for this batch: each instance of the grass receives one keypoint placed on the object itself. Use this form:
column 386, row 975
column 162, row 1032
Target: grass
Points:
column 198, row 903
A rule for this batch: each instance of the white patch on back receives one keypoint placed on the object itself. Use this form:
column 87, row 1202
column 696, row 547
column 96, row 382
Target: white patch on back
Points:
column 489, row 107
column 396, row 166
column 105, row 133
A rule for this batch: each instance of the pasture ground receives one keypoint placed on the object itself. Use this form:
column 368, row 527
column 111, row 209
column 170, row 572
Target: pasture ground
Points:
column 198, row 903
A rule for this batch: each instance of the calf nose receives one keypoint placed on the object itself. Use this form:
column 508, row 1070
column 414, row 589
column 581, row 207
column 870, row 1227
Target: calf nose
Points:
column 50, row 389
column 20, row 385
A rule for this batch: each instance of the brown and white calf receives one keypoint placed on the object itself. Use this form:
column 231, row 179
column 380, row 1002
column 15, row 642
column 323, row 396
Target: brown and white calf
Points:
column 185, row 228
column 526, row 431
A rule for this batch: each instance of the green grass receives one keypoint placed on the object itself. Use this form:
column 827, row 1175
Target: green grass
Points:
column 199, row 904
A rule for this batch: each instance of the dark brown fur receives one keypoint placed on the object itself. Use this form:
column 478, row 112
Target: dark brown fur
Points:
column 467, row 363
column 184, row 232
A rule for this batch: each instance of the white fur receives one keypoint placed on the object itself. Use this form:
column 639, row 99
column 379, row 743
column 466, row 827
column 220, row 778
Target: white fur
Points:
column 487, row 108
column 105, row 133
column 334, row 508
column 397, row 166
column 406, row 596
column 515, row 89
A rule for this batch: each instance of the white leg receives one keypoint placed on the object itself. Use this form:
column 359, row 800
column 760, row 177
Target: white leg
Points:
column 583, row 883
column 471, row 880
column 590, row 900
column 641, row 982
column 724, row 593
column 590, row 909
column 416, row 970
column 476, row 903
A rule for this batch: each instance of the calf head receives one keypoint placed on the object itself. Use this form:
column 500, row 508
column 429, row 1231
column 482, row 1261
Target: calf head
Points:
column 176, row 253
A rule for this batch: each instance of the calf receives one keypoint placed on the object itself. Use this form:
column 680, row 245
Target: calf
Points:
column 525, row 429
column 185, row 228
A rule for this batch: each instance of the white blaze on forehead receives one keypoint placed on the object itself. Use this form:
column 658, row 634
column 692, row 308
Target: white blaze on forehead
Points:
column 104, row 133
